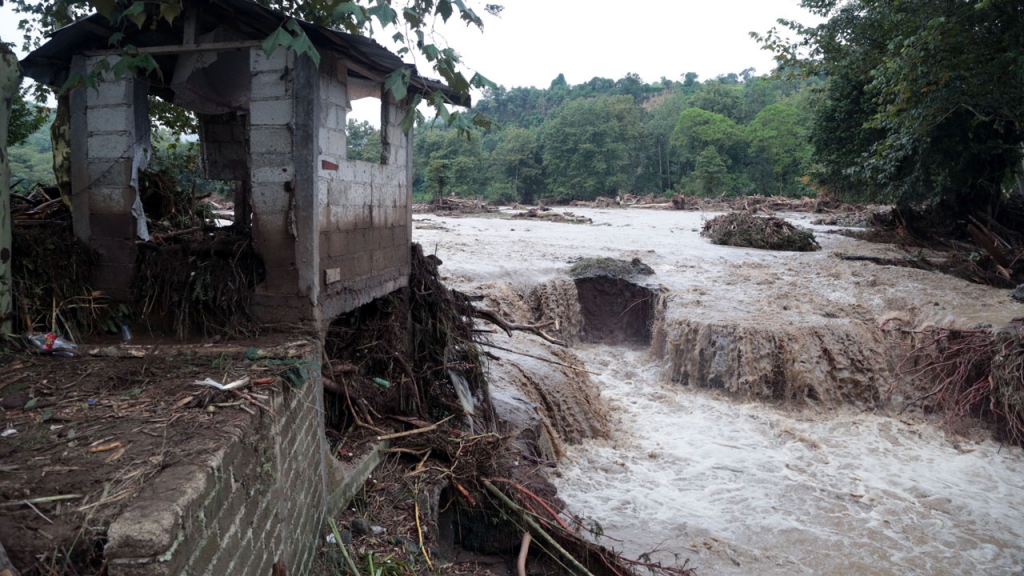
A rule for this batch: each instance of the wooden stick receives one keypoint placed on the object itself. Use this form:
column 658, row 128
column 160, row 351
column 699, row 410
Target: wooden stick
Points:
column 536, row 528
column 556, row 363
column 43, row 500
column 416, row 431
column 493, row 318
column 524, row 549
column 419, row 528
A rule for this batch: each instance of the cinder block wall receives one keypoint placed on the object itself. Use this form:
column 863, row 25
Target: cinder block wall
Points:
column 273, row 187
column 364, row 215
column 110, row 143
column 259, row 499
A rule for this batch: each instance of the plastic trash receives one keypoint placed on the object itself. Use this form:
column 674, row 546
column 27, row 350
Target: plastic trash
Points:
column 54, row 344
column 126, row 334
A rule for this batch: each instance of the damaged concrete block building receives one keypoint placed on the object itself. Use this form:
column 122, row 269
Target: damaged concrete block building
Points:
column 333, row 233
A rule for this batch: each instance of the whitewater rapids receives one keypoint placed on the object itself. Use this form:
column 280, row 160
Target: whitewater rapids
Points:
column 743, row 485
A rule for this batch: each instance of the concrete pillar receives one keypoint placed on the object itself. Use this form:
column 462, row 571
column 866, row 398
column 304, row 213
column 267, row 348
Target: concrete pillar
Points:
column 110, row 143
column 283, row 128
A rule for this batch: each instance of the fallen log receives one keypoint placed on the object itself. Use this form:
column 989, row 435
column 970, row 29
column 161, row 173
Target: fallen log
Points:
column 493, row 318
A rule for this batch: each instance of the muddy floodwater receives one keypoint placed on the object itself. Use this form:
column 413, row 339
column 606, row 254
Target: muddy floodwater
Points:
column 739, row 485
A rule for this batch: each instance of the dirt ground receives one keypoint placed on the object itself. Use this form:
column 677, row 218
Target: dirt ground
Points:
column 82, row 435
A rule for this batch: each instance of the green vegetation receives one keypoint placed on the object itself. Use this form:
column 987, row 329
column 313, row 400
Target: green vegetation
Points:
column 31, row 157
column 734, row 135
column 924, row 99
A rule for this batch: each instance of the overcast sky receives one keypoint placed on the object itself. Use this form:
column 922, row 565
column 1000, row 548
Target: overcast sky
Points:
column 535, row 40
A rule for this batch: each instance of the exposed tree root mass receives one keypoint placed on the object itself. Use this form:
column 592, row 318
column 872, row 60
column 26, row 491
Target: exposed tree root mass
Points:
column 972, row 373
column 467, row 482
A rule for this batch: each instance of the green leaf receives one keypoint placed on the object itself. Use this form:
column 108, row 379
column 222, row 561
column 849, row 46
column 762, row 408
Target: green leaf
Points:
column 479, row 81
column 31, row 404
column 73, row 81
column 444, row 9
column 349, row 8
column 383, row 13
column 412, row 114
column 302, row 44
column 115, row 39
column 170, row 10
column 279, row 37
column 412, row 17
column 137, row 13
column 398, row 83
column 430, row 51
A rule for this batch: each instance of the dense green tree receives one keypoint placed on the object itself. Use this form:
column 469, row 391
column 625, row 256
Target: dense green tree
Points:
column 697, row 129
column 590, row 147
column 779, row 134
column 925, row 98
column 362, row 141
column 710, row 175
column 26, row 118
column 517, row 156
column 723, row 99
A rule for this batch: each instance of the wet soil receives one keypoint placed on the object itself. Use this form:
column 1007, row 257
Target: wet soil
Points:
column 84, row 434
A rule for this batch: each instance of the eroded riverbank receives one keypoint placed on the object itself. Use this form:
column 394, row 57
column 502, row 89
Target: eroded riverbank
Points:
column 829, row 481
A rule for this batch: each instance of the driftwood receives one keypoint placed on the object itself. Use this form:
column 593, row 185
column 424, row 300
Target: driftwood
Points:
column 508, row 327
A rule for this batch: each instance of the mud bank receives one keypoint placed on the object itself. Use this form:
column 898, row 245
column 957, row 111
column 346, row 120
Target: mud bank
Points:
column 752, row 436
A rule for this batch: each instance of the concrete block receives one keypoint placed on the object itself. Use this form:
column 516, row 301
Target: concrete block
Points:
column 149, row 526
column 337, row 94
column 360, row 193
column 281, row 281
column 337, row 192
column 109, row 93
column 272, row 85
column 214, row 132
column 276, row 253
column 113, row 225
column 264, row 175
column 111, row 199
column 117, row 118
column 114, row 251
column 110, row 145
column 259, row 62
column 271, row 112
column 270, row 198
column 106, row 172
column 270, row 227
column 270, row 140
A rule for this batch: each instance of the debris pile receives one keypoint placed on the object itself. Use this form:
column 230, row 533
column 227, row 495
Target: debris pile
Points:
column 454, row 206
column 198, row 279
column 609, row 268
column 980, row 249
column 977, row 372
column 50, row 269
column 545, row 213
column 767, row 233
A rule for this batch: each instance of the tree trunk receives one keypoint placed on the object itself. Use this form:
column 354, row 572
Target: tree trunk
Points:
column 10, row 80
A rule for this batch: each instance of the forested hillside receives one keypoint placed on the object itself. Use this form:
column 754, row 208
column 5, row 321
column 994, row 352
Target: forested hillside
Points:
column 735, row 134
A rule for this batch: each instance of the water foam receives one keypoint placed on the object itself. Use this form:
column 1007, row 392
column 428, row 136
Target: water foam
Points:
column 745, row 488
